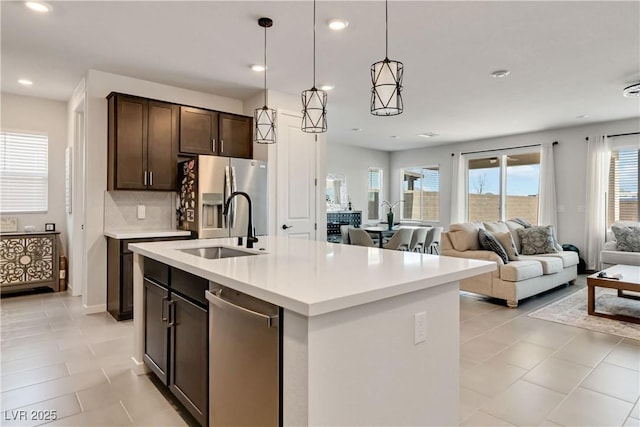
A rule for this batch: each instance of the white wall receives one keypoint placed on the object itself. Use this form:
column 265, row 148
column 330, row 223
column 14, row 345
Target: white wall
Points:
column 570, row 168
column 42, row 115
column 354, row 163
column 98, row 86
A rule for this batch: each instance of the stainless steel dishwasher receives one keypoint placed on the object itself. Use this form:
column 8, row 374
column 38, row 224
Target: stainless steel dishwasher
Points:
column 244, row 362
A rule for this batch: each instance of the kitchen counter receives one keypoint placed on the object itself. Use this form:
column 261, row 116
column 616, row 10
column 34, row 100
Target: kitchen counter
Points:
column 369, row 336
column 143, row 234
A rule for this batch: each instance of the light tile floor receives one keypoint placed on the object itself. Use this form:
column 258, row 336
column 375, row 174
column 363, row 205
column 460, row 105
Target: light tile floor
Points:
column 514, row 369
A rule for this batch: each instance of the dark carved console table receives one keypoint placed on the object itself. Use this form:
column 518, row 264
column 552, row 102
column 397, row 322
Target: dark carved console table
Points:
column 29, row 260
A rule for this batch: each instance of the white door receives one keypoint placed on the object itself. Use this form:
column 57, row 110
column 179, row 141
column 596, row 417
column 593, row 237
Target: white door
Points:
column 296, row 179
column 78, row 254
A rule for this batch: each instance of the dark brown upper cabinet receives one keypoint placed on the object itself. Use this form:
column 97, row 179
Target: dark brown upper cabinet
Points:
column 198, row 131
column 209, row 132
column 143, row 144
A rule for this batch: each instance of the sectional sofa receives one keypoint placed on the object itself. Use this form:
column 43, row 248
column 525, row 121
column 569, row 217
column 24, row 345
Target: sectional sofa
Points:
column 522, row 277
column 612, row 255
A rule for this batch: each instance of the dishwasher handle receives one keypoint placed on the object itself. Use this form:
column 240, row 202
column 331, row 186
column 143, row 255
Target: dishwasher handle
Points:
column 216, row 299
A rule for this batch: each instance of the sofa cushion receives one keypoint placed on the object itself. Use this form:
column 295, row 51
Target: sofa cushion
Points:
column 496, row 227
column 464, row 236
column 569, row 258
column 506, row 240
column 537, row 240
column 490, row 243
column 620, row 257
column 627, row 238
column 523, row 222
column 550, row 265
column 513, row 228
column 520, row 270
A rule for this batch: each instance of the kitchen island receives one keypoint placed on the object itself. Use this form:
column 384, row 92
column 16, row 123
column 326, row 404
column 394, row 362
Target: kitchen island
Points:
column 369, row 336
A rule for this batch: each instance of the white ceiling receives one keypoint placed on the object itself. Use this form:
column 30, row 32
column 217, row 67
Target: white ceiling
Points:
column 566, row 58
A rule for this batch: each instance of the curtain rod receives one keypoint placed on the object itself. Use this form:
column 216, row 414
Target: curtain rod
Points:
column 620, row 134
column 500, row 149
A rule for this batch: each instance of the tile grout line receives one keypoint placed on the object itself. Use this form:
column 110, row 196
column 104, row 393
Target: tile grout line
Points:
column 79, row 401
column 105, row 374
column 126, row 412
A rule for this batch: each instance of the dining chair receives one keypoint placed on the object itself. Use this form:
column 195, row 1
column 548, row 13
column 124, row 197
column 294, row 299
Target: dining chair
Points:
column 359, row 237
column 434, row 246
column 344, row 233
column 418, row 238
column 400, row 240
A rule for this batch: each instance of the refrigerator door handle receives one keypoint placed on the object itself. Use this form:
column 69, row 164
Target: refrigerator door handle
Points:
column 227, row 192
column 234, row 188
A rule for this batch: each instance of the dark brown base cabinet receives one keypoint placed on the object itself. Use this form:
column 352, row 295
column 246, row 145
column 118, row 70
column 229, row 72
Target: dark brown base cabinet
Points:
column 177, row 334
column 120, row 275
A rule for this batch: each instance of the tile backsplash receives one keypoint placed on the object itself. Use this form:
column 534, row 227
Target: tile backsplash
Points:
column 121, row 209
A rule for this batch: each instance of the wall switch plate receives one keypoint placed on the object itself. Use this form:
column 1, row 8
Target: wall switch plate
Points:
column 419, row 327
column 142, row 212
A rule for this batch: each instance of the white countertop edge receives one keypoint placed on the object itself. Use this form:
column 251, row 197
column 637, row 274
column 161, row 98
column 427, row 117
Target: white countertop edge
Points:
column 130, row 234
column 322, row 307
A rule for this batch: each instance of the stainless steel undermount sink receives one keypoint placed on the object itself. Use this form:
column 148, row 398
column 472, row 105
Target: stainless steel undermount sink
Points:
column 216, row 252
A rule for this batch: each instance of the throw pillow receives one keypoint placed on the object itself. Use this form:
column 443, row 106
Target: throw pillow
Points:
column 496, row 227
column 506, row 240
column 537, row 240
column 523, row 222
column 490, row 243
column 627, row 238
column 513, row 228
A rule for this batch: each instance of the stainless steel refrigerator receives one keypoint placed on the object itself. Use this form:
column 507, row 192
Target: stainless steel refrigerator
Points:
column 205, row 183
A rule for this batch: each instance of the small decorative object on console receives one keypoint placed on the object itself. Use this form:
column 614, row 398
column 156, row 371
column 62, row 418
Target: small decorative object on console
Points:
column 49, row 226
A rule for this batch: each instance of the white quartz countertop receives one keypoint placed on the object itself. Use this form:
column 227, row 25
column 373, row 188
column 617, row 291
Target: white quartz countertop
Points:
column 312, row 277
column 142, row 234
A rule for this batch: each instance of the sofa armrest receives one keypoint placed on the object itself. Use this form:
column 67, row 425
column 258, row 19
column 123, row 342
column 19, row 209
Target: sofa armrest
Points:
column 610, row 246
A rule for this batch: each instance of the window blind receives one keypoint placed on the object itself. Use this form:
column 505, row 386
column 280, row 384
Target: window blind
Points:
column 623, row 186
column 373, row 196
column 24, row 172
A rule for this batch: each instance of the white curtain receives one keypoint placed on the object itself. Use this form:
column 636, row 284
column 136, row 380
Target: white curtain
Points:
column 547, row 208
column 458, row 204
column 598, row 156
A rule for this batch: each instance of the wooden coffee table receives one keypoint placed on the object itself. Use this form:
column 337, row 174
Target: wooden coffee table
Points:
column 630, row 281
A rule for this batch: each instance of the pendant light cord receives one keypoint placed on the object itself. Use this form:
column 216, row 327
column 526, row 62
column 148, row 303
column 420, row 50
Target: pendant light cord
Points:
column 386, row 28
column 314, row 43
column 265, row 65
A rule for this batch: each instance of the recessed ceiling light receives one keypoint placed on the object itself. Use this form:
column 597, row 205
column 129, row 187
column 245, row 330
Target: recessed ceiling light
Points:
column 258, row 68
column 356, row 129
column 428, row 134
column 394, row 136
column 326, row 87
column 582, row 116
column 25, row 82
column 632, row 91
column 338, row 24
column 38, row 6
column 500, row 73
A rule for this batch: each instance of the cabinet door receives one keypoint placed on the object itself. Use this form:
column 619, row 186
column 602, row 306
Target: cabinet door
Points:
column 162, row 144
column 156, row 333
column 126, row 294
column 189, row 356
column 236, row 136
column 130, row 143
column 198, row 131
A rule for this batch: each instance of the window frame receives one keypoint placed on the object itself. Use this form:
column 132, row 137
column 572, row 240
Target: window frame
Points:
column 623, row 144
column 44, row 174
column 422, row 168
column 380, row 171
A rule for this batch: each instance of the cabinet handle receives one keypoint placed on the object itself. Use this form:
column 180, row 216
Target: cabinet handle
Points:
column 222, row 145
column 213, row 145
column 164, row 319
column 151, row 178
column 145, row 178
column 172, row 314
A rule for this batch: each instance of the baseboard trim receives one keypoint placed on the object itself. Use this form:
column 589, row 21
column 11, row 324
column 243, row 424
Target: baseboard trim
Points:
column 138, row 368
column 93, row 309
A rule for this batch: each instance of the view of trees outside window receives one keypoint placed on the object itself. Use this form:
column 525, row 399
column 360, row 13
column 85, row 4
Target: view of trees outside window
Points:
column 421, row 194
column 491, row 197
column 622, row 196
column 375, row 188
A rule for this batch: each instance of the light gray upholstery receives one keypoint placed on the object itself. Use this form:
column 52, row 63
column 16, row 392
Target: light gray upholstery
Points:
column 360, row 237
column 400, row 240
column 418, row 238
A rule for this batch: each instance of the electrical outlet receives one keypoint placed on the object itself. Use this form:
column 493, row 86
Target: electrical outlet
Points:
column 142, row 212
column 419, row 327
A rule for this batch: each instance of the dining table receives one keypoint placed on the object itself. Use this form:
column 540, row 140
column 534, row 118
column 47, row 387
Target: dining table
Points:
column 382, row 231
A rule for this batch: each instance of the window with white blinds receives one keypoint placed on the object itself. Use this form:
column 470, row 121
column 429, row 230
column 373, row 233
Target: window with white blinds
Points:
column 24, row 171
column 375, row 188
column 421, row 194
column 622, row 198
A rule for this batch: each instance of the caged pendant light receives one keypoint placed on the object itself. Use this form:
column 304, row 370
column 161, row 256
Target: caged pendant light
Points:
column 386, row 76
column 265, row 117
column 314, row 101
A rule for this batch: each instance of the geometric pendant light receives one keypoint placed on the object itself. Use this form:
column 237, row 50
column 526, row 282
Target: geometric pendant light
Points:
column 264, row 118
column 314, row 101
column 386, row 77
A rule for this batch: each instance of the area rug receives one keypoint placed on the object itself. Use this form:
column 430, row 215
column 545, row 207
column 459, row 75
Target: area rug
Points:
column 572, row 310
